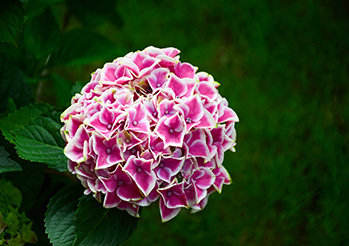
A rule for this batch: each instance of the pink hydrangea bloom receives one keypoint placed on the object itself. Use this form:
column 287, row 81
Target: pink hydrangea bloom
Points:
column 149, row 128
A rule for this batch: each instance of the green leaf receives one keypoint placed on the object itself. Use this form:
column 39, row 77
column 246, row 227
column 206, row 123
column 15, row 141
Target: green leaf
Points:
column 59, row 217
column 36, row 135
column 76, row 88
column 13, row 84
column 16, row 226
column 11, row 21
column 81, row 46
column 41, row 34
column 35, row 7
column 6, row 164
column 97, row 225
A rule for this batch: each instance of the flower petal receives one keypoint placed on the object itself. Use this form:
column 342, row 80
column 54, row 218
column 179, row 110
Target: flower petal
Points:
column 140, row 171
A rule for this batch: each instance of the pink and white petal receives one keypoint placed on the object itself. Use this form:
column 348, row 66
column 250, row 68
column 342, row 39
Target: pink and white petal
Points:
column 109, row 183
column 199, row 194
column 195, row 109
column 205, row 180
column 185, row 70
column 198, row 207
column 199, row 149
column 207, row 90
column 171, row 130
column 129, row 192
column 111, row 200
column 167, row 213
column 133, row 210
column 204, row 77
column 170, row 51
column 207, row 120
column 164, row 174
column 173, row 195
column 140, row 171
column 177, row 85
column 108, row 72
column 228, row 115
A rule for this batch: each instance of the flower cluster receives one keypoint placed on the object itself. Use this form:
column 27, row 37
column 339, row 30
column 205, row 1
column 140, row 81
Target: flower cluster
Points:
column 148, row 127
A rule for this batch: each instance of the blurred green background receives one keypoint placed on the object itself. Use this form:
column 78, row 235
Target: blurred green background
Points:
column 282, row 65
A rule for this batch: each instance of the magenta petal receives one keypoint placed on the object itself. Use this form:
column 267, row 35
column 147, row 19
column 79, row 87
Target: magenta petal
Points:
column 171, row 130
column 108, row 72
column 173, row 195
column 164, row 174
column 228, row 115
column 185, row 70
column 166, row 108
column 199, row 193
column 195, row 109
column 140, row 171
column 133, row 210
column 168, row 167
column 158, row 78
column 171, row 52
column 200, row 206
column 199, row 149
column 108, row 152
column 167, row 213
column 111, row 200
column 109, row 183
column 178, row 86
column 207, row 120
column 207, row 90
column 75, row 150
column 137, row 120
column 103, row 122
column 204, row 178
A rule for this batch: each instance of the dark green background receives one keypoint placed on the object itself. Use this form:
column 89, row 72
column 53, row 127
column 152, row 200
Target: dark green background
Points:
column 282, row 65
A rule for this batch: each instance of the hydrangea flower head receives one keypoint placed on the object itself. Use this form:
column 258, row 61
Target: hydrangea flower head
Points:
column 149, row 128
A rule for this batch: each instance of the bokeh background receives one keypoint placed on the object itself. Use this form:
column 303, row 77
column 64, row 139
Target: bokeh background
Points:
column 282, row 65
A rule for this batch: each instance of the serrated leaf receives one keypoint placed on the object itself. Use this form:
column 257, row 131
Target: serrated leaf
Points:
column 35, row 135
column 11, row 21
column 59, row 217
column 97, row 225
column 6, row 164
column 81, row 46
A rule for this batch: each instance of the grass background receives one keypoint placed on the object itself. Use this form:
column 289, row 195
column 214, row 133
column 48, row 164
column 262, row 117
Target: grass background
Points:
column 283, row 66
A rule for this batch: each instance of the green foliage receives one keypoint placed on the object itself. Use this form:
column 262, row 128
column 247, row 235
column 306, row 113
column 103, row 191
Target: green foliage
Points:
column 15, row 227
column 59, row 219
column 42, row 34
column 6, row 164
column 103, row 226
column 11, row 21
column 90, row 224
column 35, row 135
column 81, row 46
column 282, row 65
